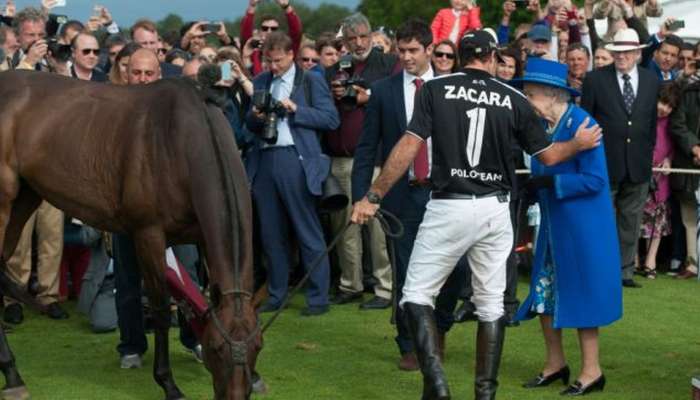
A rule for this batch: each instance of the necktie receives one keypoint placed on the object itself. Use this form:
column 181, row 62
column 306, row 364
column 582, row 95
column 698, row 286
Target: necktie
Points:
column 421, row 165
column 627, row 93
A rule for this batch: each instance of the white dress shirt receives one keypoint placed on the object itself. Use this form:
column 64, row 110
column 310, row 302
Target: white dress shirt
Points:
column 281, row 89
column 409, row 97
column 634, row 80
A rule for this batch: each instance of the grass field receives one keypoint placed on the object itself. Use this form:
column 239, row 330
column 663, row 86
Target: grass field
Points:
column 346, row 354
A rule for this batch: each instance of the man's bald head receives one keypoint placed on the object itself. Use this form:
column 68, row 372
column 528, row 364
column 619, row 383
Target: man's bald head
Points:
column 143, row 67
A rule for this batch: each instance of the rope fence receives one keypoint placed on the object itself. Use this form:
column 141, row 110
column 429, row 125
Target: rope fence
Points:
column 687, row 171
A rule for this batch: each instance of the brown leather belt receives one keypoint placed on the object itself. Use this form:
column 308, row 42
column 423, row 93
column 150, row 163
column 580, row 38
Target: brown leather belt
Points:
column 419, row 183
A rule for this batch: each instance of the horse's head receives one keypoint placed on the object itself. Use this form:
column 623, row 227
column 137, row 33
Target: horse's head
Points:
column 231, row 342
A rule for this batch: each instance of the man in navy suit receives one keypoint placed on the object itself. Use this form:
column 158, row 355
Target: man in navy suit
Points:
column 388, row 112
column 287, row 174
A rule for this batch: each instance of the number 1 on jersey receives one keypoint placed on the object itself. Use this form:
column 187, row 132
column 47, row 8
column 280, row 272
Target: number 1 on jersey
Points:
column 475, row 139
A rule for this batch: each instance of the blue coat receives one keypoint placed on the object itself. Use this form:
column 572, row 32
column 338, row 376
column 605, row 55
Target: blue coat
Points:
column 578, row 227
column 305, row 124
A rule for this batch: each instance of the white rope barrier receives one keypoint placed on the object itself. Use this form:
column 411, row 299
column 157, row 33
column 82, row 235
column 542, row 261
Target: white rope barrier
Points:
column 687, row 171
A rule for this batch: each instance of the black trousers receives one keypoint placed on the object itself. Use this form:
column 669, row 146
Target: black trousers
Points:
column 127, row 280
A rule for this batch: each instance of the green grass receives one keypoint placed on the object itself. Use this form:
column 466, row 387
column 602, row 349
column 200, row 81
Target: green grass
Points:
column 346, row 354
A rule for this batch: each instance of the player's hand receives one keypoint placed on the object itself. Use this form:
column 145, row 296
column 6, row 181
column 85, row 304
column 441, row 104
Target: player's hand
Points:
column 588, row 137
column 363, row 211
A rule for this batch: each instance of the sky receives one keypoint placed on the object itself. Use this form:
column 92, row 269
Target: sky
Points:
column 125, row 12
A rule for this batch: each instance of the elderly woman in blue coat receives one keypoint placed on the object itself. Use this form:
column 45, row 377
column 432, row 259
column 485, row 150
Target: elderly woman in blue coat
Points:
column 576, row 274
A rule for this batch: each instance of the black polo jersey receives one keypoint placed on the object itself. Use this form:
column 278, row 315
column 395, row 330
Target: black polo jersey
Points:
column 474, row 120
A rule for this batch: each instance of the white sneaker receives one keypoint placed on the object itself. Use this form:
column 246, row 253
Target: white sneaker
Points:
column 197, row 353
column 129, row 361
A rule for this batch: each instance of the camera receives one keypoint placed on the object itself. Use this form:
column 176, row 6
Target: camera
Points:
column 344, row 78
column 60, row 52
column 256, row 43
column 273, row 111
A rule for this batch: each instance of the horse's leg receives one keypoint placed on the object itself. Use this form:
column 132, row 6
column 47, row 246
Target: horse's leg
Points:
column 13, row 216
column 150, row 249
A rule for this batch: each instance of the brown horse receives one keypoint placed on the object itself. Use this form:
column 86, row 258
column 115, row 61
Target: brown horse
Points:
column 155, row 162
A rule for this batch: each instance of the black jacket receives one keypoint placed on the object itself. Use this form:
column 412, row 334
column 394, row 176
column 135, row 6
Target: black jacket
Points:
column 629, row 139
column 684, row 127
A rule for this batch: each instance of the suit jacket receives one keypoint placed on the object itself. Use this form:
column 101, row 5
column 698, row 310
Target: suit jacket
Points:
column 305, row 124
column 684, row 127
column 385, row 123
column 629, row 139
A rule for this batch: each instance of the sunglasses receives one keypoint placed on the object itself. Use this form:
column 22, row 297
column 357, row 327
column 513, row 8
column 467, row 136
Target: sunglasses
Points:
column 162, row 51
column 88, row 51
column 439, row 54
column 309, row 59
column 269, row 28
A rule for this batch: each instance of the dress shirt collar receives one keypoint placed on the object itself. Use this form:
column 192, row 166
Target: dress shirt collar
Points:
column 288, row 77
column 634, row 74
column 408, row 78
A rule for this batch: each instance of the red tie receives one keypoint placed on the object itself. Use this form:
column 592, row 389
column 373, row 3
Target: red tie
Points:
column 421, row 165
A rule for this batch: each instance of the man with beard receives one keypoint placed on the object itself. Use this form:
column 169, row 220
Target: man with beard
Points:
column 350, row 78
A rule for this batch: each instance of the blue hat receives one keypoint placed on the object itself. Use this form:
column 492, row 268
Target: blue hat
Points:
column 540, row 32
column 546, row 72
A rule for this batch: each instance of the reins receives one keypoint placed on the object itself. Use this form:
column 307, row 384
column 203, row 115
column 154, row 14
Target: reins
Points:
column 383, row 217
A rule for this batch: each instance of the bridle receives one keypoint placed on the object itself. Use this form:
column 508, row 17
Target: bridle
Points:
column 238, row 349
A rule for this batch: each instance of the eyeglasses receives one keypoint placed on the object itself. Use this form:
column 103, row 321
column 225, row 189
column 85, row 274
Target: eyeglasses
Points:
column 162, row 51
column 88, row 51
column 309, row 59
column 269, row 28
column 439, row 54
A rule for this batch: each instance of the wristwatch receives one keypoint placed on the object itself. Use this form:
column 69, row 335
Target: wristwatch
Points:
column 373, row 198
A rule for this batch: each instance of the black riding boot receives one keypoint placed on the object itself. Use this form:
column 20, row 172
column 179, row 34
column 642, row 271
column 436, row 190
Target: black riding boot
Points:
column 422, row 326
column 489, row 343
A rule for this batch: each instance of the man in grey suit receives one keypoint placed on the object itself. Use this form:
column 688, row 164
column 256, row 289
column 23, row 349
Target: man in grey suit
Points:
column 622, row 99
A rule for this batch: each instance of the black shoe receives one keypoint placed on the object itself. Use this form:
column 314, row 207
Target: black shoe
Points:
column 268, row 307
column 465, row 312
column 629, row 283
column 577, row 389
column 13, row 314
column 511, row 323
column 346, row 297
column 421, row 323
column 312, row 311
column 489, row 345
column 564, row 373
column 376, row 303
column 54, row 311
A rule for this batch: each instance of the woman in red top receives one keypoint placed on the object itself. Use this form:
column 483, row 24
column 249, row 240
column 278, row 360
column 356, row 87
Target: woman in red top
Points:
column 452, row 23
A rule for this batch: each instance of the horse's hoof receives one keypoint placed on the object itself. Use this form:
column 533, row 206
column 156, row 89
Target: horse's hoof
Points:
column 15, row 393
column 259, row 385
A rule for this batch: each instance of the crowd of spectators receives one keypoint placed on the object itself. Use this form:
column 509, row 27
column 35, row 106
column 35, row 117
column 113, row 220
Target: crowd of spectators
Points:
column 318, row 110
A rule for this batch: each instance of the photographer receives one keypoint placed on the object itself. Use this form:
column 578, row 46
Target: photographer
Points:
column 30, row 25
column 194, row 35
column 349, row 79
column 287, row 169
column 268, row 25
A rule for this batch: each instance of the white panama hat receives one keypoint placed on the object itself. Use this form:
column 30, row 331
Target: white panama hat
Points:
column 625, row 40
